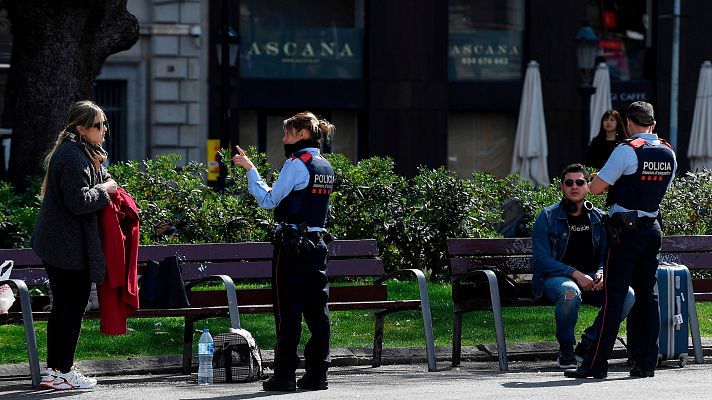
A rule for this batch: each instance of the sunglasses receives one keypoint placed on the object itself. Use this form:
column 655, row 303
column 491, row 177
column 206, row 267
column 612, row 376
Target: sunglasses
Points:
column 570, row 182
column 99, row 124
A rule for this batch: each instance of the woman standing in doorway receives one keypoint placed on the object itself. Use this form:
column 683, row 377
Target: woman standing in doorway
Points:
column 610, row 135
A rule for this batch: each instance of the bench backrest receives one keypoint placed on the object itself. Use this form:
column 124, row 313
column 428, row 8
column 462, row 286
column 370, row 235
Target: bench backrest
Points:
column 240, row 261
column 513, row 256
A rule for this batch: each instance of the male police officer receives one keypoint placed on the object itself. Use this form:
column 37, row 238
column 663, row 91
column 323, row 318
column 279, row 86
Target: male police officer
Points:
column 300, row 197
column 641, row 170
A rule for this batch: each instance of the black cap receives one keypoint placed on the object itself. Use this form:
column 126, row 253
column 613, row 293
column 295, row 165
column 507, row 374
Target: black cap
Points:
column 641, row 113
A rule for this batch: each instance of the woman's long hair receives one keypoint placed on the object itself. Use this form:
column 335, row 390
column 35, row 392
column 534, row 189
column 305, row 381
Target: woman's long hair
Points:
column 82, row 113
column 620, row 128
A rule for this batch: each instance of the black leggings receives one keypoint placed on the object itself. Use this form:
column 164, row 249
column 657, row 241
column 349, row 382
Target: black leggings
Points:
column 70, row 291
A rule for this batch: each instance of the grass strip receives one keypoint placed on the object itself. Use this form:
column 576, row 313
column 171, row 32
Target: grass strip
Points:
column 160, row 336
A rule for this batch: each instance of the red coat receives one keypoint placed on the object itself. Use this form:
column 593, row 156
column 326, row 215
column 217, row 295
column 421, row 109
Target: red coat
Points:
column 118, row 294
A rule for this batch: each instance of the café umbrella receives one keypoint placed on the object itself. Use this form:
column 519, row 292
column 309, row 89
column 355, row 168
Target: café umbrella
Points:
column 699, row 152
column 601, row 99
column 529, row 158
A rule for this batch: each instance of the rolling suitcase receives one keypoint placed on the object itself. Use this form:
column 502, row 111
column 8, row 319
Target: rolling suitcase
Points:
column 675, row 295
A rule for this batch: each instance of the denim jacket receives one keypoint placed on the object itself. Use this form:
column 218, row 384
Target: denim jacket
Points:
column 550, row 237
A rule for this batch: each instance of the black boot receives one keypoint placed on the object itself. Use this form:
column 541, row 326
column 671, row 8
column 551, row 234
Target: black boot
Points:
column 581, row 372
column 275, row 384
column 639, row 373
column 312, row 383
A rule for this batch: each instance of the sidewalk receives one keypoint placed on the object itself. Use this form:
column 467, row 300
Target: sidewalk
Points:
column 341, row 357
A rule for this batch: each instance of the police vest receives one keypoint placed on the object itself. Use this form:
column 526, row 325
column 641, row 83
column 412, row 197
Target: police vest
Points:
column 644, row 189
column 310, row 204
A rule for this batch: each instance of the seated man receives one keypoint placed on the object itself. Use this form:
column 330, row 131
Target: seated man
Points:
column 569, row 246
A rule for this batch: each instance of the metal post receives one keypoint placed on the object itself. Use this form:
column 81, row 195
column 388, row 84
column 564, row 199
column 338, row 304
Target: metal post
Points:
column 225, row 89
column 675, row 73
column 235, row 132
column 586, row 91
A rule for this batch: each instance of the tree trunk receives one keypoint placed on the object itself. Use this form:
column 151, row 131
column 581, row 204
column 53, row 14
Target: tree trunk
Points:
column 58, row 49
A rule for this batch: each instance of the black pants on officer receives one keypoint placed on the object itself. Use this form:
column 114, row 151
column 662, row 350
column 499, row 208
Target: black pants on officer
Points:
column 300, row 287
column 633, row 262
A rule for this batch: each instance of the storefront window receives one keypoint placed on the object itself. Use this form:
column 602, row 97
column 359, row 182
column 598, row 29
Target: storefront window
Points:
column 480, row 141
column 623, row 28
column 485, row 40
column 319, row 39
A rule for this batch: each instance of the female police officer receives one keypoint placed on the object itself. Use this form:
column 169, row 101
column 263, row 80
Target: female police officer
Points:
column 300, row 197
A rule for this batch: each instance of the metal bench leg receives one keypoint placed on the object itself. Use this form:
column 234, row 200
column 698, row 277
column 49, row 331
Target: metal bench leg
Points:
column 498, row 323
column 187, row 345
column 456, row 338
column 427, row 321
column 694, row 322
column 378, row 338
column 29, row 325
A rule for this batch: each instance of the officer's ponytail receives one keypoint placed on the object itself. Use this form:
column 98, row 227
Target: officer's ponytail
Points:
column 321, row 130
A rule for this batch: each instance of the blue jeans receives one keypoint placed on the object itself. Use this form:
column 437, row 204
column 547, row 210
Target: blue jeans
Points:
column 568, row 298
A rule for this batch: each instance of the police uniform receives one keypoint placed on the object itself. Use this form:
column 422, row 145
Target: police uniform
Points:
column 300, row 197
column 640, row 170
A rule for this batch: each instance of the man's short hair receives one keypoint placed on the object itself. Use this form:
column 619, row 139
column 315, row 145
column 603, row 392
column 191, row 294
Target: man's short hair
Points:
column 641, row 113
column 577, row 167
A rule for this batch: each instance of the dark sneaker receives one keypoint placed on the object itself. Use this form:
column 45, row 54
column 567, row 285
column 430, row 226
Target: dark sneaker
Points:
column 274, row 384
column 581, row 350
column 580, row 373
column 308, row 383
column 566, row 357
column 639, row 373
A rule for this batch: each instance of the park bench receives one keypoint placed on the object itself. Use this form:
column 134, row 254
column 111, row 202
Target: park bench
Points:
column 474, row 287
column 356, row 262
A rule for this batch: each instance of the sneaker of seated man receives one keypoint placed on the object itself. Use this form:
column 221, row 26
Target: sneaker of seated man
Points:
column 569, row 246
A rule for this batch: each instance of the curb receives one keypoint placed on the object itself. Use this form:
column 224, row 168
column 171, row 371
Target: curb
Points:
column 340, row 357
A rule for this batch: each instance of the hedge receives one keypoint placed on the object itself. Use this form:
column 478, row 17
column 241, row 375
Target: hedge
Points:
column 410, row 218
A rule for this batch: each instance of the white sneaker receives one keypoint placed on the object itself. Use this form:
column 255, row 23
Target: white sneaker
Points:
column 72, row 380
column 47, row 378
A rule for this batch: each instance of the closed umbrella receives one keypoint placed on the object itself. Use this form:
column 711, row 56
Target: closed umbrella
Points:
column 530, row 146
column 699, row 151
column 601, row 99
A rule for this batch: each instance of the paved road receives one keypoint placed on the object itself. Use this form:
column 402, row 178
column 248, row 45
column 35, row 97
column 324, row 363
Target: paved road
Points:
column 474, row 380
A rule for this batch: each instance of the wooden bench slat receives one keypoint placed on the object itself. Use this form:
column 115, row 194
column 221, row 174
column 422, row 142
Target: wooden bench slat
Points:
column 687, row 244
column 702, row 285
column 20, row 256
column 514, row 265
column 208, row 251
column 470, row 247
column 692, row 261
column 33, row 277
column 210, row 298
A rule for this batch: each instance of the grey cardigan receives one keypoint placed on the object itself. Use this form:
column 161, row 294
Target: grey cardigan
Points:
column 67, row 233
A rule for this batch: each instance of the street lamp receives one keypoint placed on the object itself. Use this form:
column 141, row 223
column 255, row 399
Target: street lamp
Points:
column 586, row 52
column 227, row 47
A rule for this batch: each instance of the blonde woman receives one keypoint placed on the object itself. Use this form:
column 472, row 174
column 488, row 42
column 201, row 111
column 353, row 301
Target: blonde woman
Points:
column 67, row 235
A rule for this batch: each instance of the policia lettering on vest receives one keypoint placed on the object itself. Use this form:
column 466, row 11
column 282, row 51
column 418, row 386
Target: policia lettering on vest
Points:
column 638, row 172
column 300, row 199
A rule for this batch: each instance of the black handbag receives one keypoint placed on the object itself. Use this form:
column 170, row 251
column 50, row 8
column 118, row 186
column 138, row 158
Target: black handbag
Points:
column 479, row 285
column 162, row 285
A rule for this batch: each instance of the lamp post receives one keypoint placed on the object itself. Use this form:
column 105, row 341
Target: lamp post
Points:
column 586, row 51
column 227, row 47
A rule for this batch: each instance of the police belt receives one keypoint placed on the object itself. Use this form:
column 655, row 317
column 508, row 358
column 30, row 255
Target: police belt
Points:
column 298, row 239
column 624, row 221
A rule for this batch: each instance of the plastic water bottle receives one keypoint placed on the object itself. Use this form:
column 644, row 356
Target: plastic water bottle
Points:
column 205, row 358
